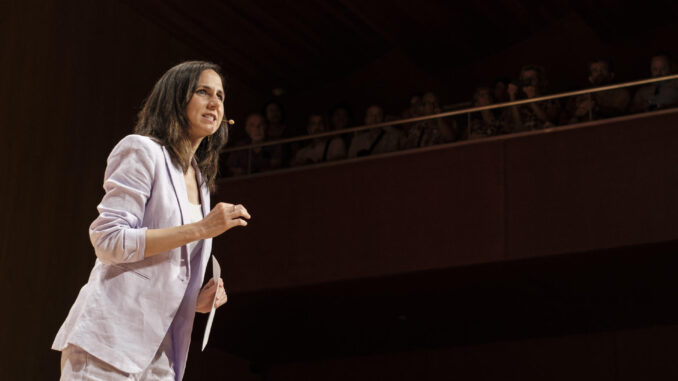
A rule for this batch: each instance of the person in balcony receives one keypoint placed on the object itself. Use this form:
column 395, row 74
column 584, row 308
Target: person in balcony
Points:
column 341, row 117
column 319, row 149
column 275, row 121
column 500, row 87
column 532, row 83
column 487, row 122
column 659, row 95
column 415, row 108
column 428, row 132
column 376, row 140
column 258, row 159
column 599, row 105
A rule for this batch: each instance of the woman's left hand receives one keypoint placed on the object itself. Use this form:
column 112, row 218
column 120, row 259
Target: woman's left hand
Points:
column 206, row 296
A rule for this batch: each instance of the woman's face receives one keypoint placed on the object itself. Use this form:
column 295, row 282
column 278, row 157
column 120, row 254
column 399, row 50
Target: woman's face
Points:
column 660, row 66
column 205, row 110
column 316, row 124
column 482, row 97
column 430, row 103
column 374, row 115
column 256, row 128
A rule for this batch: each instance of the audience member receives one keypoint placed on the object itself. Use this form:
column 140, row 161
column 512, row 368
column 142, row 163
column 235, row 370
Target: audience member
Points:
column 256, row 159
column 376, row 140
column 487, row 122
column 428, row 132
column 319, row 149
column 657, row 95
column 604, row 104
column 340, row 117
column 415, row 108
column 499, row 88
column 275, row 120
column 532, row 84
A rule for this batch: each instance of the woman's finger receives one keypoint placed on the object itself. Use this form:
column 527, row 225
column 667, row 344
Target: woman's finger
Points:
column 240, row 211
column 208, row 285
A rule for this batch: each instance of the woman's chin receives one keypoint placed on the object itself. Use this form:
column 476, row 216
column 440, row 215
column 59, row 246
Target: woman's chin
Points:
column 203, row 131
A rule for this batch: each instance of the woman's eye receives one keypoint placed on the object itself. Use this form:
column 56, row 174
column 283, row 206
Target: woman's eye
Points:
column 201, row 91
column 221, row 97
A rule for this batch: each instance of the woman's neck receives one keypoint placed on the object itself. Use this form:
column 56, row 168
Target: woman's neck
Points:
column 194, row 146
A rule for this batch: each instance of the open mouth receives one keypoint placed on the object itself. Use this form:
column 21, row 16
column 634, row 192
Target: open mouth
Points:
column 210, row 117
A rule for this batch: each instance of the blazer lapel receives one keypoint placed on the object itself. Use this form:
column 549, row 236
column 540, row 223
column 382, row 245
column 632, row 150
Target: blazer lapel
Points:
column 204, row 191
column 179, row 184
column 205, row 203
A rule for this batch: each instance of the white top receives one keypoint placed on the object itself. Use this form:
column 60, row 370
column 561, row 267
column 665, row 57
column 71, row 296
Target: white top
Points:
column 194, row 215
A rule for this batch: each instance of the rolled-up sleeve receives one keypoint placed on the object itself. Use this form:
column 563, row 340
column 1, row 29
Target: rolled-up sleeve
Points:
column 117, row 234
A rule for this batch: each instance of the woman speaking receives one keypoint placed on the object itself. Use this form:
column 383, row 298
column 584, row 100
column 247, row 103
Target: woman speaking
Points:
column 153, row 237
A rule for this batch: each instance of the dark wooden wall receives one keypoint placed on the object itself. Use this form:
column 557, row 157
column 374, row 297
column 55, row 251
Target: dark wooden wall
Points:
column 574, row 189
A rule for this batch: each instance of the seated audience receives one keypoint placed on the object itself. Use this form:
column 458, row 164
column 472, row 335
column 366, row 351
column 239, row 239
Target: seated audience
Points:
column 532, row 84
column 487, row 122
column 658, row 95
column 257, row 159
column 319, row 149
column 376, row 140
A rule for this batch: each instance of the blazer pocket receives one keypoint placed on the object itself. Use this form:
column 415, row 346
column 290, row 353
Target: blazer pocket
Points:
column 135, row 272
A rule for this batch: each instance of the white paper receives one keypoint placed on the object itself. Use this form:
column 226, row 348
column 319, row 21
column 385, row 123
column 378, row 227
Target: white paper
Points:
column 216, row 271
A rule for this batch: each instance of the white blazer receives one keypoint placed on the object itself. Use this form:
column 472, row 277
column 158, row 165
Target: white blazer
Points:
column 124, row 311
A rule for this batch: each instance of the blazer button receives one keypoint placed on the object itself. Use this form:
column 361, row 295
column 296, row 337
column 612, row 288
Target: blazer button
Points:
column 182, row 278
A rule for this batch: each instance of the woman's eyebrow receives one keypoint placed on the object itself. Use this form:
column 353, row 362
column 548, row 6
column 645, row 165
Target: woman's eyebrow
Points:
column 210, row 88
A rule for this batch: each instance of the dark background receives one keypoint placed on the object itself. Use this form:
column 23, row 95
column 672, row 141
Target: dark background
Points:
column 546, row 255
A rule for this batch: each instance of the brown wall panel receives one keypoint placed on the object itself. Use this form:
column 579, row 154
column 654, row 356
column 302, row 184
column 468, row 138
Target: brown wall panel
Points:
column 589, row 187
column 383, row 216
column 594, row 187
column 648, row 354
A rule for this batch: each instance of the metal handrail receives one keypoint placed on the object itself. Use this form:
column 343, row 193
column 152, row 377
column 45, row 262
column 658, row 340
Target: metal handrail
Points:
column 452, row 113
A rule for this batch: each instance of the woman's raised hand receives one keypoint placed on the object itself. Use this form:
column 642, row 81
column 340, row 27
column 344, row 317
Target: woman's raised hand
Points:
column 223, row 217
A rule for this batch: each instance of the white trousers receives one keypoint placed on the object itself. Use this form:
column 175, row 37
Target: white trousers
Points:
column 78, row 365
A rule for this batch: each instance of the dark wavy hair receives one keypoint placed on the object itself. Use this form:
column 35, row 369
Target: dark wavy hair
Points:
column 163, row 117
